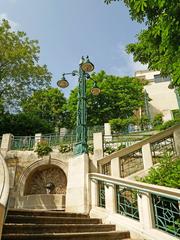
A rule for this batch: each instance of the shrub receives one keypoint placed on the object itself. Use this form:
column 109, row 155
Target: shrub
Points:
column 109, row 149
column 120, row 125
column 121, row 147
column 167, row 124
column 43, row 148
column 90, row 149
column 166, row 174
column 64, row 148
column 157, row 120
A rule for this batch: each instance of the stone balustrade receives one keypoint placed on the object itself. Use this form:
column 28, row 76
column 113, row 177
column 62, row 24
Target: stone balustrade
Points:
column 146, row 210
column 141, row 155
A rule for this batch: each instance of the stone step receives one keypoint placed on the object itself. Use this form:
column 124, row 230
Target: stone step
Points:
column 69, row 236
column 51, row 225
column 25, row 212
column 51, row 220
column 56, row 228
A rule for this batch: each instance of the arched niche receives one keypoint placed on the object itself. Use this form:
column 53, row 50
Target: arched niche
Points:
column 41, row 164
column 43, row 176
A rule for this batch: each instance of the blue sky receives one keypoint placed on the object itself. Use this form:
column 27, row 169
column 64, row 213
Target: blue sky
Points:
column 68, row 29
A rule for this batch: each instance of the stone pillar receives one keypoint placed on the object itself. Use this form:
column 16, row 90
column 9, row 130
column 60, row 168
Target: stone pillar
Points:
column 63, row 132
column 147, row 156
column 176, row 135
column 76, row 195
column 115, row 167
column 6, row 143
column 110, row 198
column 98, row 150
column 94, row 193
column 107, row 132
column 38, row 137
column 145, row 211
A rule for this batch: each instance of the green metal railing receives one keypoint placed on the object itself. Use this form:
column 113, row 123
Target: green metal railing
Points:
column 127, row 202
column 101, row 194
column 118, row 141
column 23, row 143
column 166, row 214
column 57, row 139
column 166, row 211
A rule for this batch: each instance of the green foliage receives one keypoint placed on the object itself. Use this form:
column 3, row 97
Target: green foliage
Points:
column 158, row 44
column 20, row 73
column 166, row 174
column 120, row 125
column 121, row 147
column 109, row 149
column 158, row 123
column 176, row 114
column 23, row 124
column 143, row 122
column 43, row 148
column 48, row 105
column 116, row 100
column 168, row 124
column 109, row 1
column 157, row 120
column 65, row 148
column 90, row 149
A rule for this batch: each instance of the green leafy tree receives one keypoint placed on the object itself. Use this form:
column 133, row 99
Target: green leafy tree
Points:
column 158, row 120
column 120, row 125
column 159, row 44
column 23, row 124
column 119, row 97
column 48, row 105
column 20, row 73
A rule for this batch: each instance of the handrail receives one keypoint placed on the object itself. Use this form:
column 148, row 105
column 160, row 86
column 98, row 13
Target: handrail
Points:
column 138, row 145
column 142, row 187
column 4, row 184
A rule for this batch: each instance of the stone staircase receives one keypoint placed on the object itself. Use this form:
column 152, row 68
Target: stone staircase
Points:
column 41, row 225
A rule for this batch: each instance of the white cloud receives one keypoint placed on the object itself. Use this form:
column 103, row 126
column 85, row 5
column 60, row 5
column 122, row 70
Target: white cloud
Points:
column 14, row 25
column 127, row 66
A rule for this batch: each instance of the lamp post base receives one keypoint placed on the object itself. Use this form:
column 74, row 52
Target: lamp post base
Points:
column 80, row 148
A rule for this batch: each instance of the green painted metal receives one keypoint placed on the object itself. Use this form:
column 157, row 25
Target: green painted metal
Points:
column 101, row 194
column 127, row 202
column 81, row 145
column 23, row 143
column 166, row 214
column 146, row 103
column 178, row 97
column 165, row 145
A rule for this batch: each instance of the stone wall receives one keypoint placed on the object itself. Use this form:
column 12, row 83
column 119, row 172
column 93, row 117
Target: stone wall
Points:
column 22, row 164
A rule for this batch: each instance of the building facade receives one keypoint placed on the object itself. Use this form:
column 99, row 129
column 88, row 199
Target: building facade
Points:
column 163, row 99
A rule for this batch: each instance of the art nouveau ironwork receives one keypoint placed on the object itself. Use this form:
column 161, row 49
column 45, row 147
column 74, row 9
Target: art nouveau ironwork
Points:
column 131, row 163
column 127, row 202
column 166, row 214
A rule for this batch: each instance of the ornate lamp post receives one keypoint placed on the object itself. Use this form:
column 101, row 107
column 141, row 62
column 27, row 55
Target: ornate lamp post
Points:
column 85, row 67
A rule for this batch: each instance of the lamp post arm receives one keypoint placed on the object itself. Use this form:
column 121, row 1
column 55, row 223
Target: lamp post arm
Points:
column 73, row 73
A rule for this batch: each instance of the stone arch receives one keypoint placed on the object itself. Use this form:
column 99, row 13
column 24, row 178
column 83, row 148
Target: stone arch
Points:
column 41, row 165
column 46, row 179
